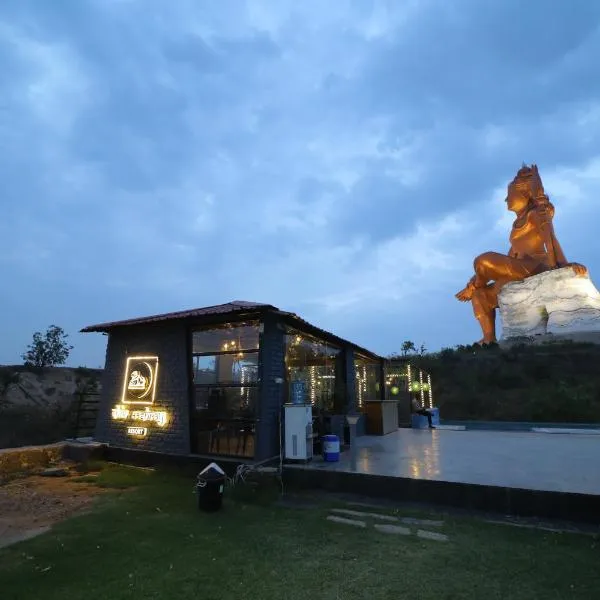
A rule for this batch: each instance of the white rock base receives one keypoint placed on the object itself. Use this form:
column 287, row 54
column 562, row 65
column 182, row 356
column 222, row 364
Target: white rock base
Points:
column 555, row 302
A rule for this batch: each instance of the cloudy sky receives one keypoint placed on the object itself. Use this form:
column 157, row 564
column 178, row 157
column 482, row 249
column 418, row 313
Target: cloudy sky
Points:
column 344, row 159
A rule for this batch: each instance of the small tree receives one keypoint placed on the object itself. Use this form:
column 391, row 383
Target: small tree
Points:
column 408, row 347
column 48, row 350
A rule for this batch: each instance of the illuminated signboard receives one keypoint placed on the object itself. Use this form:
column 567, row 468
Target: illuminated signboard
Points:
column 139, row 388
column 123, row 413
column 137, row 431
column 139, row 382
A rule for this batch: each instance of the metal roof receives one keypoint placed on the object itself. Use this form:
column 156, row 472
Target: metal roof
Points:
column 236, row 307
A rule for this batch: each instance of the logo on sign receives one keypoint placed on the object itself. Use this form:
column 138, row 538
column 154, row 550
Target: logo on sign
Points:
column 139, row 386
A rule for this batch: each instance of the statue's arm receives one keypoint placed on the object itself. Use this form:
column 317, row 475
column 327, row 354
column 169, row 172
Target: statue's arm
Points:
column 561, row 259
column 556, row 256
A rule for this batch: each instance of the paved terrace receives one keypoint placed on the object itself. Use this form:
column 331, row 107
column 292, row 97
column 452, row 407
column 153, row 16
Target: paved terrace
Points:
column 556, row 462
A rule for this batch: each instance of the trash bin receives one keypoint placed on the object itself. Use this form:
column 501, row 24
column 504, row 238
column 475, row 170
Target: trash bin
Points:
column 331, row 448
column 209, row 487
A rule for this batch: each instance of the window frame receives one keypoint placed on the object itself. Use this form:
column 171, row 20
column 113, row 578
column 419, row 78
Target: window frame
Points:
column 217, row 352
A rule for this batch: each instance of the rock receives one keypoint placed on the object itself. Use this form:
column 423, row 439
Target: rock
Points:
column 555, row 302
column 55, row 472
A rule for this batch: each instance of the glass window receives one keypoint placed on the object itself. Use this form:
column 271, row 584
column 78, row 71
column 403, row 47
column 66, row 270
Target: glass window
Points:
column 225, row 420
column 227, row 402
column 226, row 369
column 232, row 337
column 311, row 370
column 225, row 372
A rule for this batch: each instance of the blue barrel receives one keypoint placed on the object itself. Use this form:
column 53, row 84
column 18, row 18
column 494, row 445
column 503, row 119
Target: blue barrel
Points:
column 331, row 448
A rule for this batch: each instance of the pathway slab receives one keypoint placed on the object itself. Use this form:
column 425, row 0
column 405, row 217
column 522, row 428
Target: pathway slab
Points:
column 343, row 521
column 424, row 522
column 364, row 515
column 432, row 535
column 395, row 529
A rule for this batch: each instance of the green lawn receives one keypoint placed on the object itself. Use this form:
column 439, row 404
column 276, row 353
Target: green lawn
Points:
column 153, row 542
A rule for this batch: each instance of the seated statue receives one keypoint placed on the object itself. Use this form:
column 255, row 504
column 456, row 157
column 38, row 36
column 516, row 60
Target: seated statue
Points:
column 534, row 249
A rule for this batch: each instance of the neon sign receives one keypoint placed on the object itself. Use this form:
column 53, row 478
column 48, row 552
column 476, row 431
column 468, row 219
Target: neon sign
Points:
column 122, row 413
column 139, row 382
column 137, row 431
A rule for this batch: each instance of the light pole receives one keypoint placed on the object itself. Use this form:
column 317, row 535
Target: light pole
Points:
column 352, row 421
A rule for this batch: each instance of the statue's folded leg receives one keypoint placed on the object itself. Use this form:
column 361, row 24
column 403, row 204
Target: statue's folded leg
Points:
column 492, row 266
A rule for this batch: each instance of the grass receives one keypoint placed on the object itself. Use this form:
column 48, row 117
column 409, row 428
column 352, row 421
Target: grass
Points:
column 152, row 542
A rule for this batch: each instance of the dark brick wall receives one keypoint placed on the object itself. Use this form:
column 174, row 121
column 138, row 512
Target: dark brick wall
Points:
column 272, row 368
column 350, row 404
column 169, row 343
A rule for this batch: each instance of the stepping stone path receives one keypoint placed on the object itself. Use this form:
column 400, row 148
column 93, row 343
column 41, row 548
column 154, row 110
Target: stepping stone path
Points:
column 424, row 522
column 358, row 513
column 346, row 521
column 397, row 529
column 432, row 535
column 388, row 528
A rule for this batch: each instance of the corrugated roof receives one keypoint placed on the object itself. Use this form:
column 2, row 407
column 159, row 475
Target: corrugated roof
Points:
column 220, row 309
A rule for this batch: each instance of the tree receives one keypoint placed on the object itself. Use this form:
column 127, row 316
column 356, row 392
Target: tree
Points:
column 408, row 347
column 49, row 350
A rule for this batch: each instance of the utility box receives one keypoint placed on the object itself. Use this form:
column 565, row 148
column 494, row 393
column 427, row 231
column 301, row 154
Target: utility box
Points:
column 298, row 431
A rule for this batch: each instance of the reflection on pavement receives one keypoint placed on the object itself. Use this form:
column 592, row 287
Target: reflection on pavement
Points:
column 508, row 459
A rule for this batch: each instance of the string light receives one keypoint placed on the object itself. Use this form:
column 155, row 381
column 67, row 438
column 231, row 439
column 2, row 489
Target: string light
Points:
column 421, row 386
column 313, row 381
column 430, row 390
column 359, row 389
column 243, row 373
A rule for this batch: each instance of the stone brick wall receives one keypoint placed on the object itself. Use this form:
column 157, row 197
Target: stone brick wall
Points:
column 169, row 343
column 272, row 368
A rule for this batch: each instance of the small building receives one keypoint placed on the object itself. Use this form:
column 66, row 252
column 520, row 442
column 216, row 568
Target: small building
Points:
column 212, row 381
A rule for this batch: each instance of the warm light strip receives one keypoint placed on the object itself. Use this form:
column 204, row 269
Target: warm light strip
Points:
column 421, row 386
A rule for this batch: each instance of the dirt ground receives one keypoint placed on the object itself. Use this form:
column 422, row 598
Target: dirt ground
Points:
column 30, row 506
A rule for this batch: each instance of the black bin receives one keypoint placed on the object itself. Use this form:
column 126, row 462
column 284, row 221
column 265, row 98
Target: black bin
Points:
column 209, row 488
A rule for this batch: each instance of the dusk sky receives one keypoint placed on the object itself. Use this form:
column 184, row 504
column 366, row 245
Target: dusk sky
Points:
column 344, row 160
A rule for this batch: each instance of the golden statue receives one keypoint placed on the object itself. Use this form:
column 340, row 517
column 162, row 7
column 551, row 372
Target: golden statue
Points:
column 533, row 250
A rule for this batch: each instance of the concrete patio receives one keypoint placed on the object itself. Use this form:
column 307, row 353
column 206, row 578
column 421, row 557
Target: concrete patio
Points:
column 524, row 473
column 526, row 460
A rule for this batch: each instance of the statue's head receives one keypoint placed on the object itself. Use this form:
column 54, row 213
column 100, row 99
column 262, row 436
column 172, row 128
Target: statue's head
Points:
column 527, row 191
